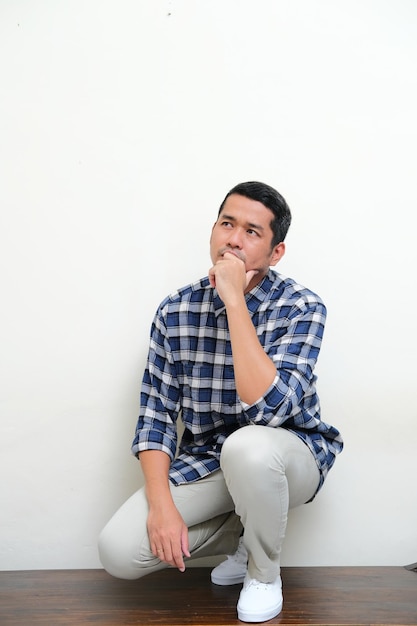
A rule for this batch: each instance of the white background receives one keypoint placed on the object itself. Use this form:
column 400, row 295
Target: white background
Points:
column 122, row 126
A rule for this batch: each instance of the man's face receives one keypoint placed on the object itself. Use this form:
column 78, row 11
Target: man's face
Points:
column 243, row 228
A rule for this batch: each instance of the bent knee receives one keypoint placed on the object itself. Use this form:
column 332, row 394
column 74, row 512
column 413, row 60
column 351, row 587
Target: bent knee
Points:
column 120, row 557
column 113, row 556
column 252, row 449
column 248, row 441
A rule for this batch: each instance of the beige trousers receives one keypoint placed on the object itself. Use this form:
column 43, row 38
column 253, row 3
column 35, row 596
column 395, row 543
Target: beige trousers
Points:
column 264, row 472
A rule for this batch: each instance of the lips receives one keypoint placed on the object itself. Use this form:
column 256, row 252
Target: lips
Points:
column 236, row 253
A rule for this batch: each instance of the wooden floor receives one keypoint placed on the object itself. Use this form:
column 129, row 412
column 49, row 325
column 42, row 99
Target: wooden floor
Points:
column 312, row 595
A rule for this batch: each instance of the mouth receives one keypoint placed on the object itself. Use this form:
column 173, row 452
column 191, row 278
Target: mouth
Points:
column 236, row 253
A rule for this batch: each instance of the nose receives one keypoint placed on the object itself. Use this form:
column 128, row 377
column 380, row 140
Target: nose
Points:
column 234, row 239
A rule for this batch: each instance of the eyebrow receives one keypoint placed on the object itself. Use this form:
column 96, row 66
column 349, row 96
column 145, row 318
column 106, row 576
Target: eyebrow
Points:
column 230, row 218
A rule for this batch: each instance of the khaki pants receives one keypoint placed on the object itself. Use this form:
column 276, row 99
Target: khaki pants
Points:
column 264, row 472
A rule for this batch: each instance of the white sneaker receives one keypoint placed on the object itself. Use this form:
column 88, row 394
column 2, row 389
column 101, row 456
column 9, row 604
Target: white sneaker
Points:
column 233, row 570
column 259, row 602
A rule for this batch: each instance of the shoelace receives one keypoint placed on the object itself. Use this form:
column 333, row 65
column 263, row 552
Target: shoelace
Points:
column 258, row 584
column 240, row 556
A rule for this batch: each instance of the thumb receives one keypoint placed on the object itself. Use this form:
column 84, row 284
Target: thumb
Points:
column 249, row 275
column 184, row 542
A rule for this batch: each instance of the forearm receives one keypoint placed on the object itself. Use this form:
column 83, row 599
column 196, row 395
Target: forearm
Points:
column 155, row 466
column 168, row 534
column 254, row 370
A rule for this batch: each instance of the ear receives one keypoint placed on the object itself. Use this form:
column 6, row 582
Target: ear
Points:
column 277, row 253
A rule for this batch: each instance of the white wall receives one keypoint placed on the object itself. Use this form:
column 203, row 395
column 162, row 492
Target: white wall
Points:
column 121, row 129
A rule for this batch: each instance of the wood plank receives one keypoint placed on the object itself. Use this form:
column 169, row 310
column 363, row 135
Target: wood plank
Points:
column 364, row 596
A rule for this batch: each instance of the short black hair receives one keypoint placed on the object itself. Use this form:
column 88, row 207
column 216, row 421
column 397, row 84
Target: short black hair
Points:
column 272, row 200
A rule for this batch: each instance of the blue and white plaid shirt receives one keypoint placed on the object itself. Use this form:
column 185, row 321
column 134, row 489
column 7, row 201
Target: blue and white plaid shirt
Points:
column 190, row 371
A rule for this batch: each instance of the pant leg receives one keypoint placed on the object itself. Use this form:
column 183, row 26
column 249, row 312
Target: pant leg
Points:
column 205, row 506
column 267, row 471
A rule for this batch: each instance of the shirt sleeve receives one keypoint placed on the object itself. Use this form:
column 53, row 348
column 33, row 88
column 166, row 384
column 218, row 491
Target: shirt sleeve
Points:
column 294, row 349
column 159, row 400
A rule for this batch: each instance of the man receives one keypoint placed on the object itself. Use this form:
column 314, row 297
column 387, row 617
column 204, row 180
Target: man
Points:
column 234, row 354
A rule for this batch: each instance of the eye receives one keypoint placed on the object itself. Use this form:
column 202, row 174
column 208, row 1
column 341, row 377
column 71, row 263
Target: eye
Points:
column 252, row 232
column 226, row 223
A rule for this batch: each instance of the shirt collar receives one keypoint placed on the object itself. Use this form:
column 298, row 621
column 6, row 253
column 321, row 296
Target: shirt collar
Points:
column 254, row 297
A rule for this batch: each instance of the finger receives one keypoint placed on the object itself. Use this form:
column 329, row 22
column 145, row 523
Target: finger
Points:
column 166, row 555
column 212, row 278
column 157, row 548
column 178, row 561
column 173, row 558
column 230, row 253
column 184, row 543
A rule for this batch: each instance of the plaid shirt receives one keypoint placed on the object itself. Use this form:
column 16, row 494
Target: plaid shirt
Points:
column 190, row 371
